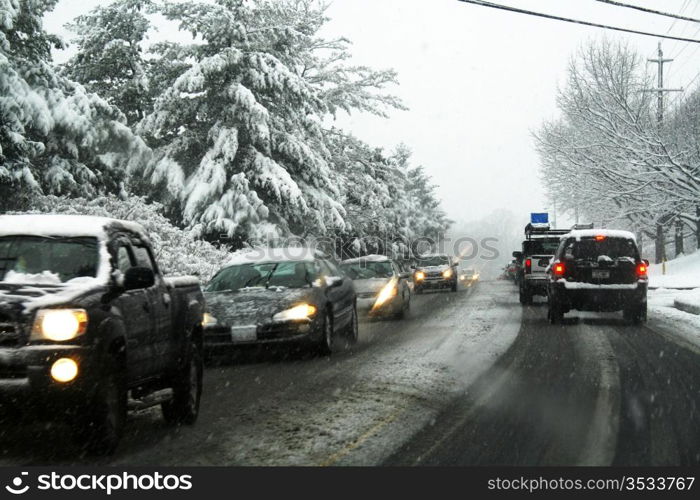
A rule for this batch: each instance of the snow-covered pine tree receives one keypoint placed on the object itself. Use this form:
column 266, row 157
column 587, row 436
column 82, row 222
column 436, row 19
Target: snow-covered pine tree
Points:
column 55, row 136
column 110, row 55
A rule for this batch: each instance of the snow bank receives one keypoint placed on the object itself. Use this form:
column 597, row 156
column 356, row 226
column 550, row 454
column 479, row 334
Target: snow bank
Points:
column 682, row 272
column 688, row 302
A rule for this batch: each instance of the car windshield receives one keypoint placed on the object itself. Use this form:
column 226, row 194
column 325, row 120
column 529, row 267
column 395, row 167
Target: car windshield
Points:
column 541, row 247
column 48, row 260
column 367, row 270
column 434, row 260
column 268, row 274
column 615, row 248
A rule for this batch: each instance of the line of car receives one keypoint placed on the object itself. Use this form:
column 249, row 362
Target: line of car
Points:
column 582, row 269
column 90, row 327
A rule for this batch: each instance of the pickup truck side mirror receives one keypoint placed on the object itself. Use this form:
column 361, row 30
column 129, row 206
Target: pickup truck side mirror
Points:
column 333, row 281
column 646, row 262
column 137, row 278
column 518, row 255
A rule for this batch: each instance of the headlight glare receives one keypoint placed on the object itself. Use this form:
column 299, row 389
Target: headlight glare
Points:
column 59, row 324
column 420, row 275
column 64, row 370
column 447, row 273
column 388, row 291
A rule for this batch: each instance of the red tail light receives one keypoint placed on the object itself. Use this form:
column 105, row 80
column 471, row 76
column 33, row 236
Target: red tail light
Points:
column 600, row 237
column 559, row 269
column 528, row 265
column 641, row 270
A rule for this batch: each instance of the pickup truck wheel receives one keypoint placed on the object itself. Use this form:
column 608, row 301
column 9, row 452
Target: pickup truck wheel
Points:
column 103, row 425
column 187, row 391
column 454, row 287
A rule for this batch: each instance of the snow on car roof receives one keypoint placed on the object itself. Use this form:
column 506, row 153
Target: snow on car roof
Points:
column 62, row 225
column 430, row 255
column 591, row 233
column 367, row 258
column 282, row 254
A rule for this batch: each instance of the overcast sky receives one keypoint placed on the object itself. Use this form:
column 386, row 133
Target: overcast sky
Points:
column 477, row 81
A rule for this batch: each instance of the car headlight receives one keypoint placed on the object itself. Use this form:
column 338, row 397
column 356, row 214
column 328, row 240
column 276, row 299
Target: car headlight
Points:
column 209, row 320
column 387, row 292
column 419, row 275
column 59, row 324
column 447, row 273
column 296, row 313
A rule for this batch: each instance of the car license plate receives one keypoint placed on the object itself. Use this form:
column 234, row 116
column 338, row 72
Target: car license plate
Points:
column 244, row 333
column 597, row 274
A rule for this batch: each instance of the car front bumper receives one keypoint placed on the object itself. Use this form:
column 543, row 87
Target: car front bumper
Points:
column 365, row 306
column 268, row 333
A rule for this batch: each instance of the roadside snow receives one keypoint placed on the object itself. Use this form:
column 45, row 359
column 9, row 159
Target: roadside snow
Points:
column 674, row 297
column 682, row 272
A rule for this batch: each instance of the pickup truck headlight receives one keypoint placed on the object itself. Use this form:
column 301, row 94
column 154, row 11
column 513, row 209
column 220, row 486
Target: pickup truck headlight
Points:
column 296, row 313
column 209, row 320
column 419, row 275
column 59, row 324
column 447, row 273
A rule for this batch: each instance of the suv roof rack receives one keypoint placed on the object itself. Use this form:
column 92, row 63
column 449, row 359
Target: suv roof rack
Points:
column 543, row 230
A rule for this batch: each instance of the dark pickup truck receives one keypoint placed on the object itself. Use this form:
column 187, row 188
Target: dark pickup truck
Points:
column 90, row 328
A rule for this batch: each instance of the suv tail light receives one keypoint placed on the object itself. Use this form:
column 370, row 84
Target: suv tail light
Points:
column 559, row 269
column 641, row 270
column 528, row 265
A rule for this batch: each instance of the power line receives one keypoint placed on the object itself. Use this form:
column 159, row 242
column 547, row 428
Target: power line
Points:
column 574, row 21
column 651, row 11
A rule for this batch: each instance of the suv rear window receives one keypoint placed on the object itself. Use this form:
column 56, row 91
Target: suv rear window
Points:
column 540, row 247
column 591, row 249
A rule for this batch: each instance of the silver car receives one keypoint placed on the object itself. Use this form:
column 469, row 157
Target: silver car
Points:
column 381, row 285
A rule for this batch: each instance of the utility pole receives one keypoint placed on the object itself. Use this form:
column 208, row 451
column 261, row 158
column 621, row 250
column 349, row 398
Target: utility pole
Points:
column 660, row 243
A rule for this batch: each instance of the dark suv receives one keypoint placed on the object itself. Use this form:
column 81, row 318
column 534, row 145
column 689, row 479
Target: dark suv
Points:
column 598, row 270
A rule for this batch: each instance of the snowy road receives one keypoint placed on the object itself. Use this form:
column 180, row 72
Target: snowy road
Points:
column 466, row 378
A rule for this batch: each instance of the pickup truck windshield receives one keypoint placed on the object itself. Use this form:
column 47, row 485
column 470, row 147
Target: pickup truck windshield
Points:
column 56, row 260
column 368, row 270
column 286, row 274
column 435, row 260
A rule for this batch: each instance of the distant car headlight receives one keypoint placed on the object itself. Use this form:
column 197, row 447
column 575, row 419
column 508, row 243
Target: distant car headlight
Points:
column 420, row 275
column 296, row 313
column 209, row 320
column 388, row 291
column 447, row 273
column 59, row 324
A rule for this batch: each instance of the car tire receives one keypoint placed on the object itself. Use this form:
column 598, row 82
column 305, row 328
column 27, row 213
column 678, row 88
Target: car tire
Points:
column 102, row 426
column 418, row 290
column 554, row 312
column 635, row 314
column 454, row 287
column 353, row 329
column 327, row 340
column 525, row 296
column 183, row 408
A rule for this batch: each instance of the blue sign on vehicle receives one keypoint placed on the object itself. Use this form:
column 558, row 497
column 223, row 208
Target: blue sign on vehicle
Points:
column 539, row 218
